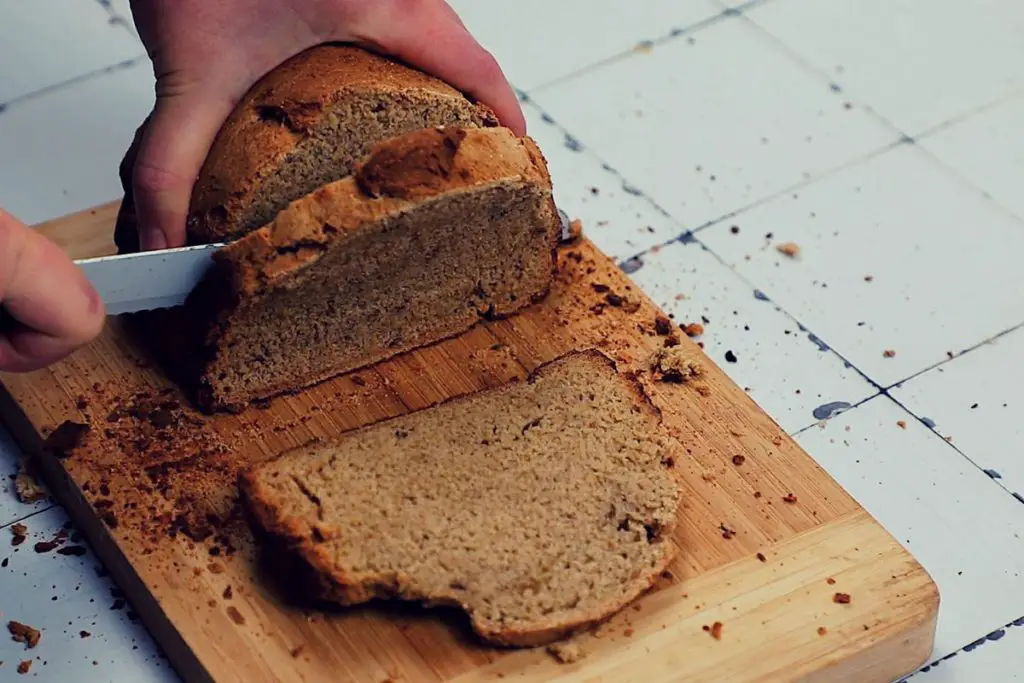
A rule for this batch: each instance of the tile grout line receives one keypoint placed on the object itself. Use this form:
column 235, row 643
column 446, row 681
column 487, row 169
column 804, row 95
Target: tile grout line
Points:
column 30, row 515
column 96, row 73
column 640, row 45
column 992, row 637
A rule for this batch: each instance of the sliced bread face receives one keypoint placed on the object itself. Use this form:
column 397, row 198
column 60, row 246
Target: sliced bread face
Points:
column 308, row 123
column 539, row 508
column 436, row 229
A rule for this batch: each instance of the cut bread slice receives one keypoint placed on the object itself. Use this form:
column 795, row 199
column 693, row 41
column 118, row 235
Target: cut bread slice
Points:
column 306, row 123
column 435, row 230
column 540, row 508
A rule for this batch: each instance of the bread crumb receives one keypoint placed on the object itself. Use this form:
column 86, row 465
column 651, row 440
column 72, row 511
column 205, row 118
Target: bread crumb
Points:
column 789, row 498
column 672, row 366
column 889, row 353
column 574, row 233
column 235, row 615
column 830, row 581
column 822, row 630
column 19, row 532
column 902, row 424
column 566, row 652
column 693, row 330
column 761, row 557
column 790, row 249
column 23, row 633
column 296, row 651
column 716, row 630
column 25, row 484
column 24, row 666
column 869, row 278
column 662, row 325
column 738, row 460
column 841, row 598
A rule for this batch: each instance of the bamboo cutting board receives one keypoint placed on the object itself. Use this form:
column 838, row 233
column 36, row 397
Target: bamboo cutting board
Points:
column 770, row 543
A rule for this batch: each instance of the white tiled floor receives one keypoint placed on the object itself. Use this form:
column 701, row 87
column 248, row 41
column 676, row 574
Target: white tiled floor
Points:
column 776, row 116
column 918, row 63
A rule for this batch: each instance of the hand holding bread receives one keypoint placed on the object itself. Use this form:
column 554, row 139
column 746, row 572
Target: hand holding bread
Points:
column 206, row 55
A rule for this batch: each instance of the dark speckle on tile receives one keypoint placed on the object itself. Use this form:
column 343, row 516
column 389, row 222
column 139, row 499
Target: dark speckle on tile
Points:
column 993, row 474
column 687, row 238
column 730, row 356
column 760, row 296
column 546, row 118
column 827, row 411
column 978, row 643
column 928, row 422
column 631, row 190
column 521, row 94
column 997, row 634
column 816, row 340
column 3, row 107
column 572, row 143
column 632, row 265
column 907, row 140
column 731, row 12
column 835, row 87
column 1018, row 496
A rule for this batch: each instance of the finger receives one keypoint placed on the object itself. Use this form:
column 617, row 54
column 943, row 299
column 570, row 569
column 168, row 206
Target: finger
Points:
column 50, row 309
column 126, row 229
column 170, row 154
column 437, row 42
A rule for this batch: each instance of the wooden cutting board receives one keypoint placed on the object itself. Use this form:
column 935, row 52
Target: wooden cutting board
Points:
column 770, row 543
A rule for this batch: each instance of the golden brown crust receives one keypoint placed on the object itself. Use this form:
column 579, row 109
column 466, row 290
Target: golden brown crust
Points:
column 338, row 585
column 301, row 233
column 279, row 111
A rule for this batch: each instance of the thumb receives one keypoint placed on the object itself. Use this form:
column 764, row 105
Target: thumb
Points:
column 173, row 147
column 47, row 307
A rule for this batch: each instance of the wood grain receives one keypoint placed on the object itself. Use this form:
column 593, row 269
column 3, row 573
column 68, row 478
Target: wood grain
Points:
column 766, row 543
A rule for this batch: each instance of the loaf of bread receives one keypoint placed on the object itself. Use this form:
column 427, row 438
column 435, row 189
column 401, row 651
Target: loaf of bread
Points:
column 437, row 229
column 306, row 123
column 539, row 508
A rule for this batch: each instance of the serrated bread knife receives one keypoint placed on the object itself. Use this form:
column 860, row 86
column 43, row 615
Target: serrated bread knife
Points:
column 128, row 283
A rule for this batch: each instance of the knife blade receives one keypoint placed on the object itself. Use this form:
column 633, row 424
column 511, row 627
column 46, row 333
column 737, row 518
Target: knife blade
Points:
column 128, row 283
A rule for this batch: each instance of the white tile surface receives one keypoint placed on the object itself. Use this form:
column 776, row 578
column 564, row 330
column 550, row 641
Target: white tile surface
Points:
column 987, row 150
column 568, row 35
column 971, row 402
column 966, row 531
column 916, row 62
column 788, row 374
column 51, row 168
column 62, row 595
column 46, row 42
column 996, row 657
column 710, row 126
column 621, row 223
column 12, row 509
column 945, row 262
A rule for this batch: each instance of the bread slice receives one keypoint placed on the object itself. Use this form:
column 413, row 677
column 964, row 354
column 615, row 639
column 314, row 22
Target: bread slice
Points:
column 539, row 508
column 435, row 230
column 306, row 123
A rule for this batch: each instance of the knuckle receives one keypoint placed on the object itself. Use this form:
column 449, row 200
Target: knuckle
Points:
column 150, row 178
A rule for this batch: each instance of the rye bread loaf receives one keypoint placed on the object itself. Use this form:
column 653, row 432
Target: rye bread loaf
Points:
column 539, row 508
column 306, row 123
column 435, row 230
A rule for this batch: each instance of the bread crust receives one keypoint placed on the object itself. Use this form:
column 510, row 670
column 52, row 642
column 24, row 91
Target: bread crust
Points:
column 334, row 583
column 400, row 174
column 280, row 111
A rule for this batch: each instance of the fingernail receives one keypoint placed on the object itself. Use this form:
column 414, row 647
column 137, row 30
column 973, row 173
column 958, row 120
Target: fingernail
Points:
column 150, row 240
